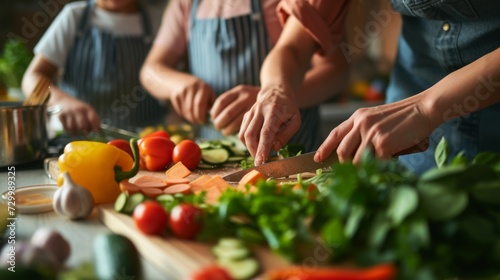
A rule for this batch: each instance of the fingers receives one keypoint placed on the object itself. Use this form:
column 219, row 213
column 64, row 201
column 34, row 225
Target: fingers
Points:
column 333, row 140
column 250, row 132
column 203, row 99
column 79, row 121
column 223, row 101
column 286, row 132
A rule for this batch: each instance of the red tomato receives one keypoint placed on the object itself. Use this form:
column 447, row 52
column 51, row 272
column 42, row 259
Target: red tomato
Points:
column 185, row 220
column 155, row 153
column 187, row 152
column 123, row 145
column 150, row 217
column 213, row 272
column 161, row 133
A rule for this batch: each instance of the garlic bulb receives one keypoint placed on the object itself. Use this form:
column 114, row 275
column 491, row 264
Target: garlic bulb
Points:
column 72, row 200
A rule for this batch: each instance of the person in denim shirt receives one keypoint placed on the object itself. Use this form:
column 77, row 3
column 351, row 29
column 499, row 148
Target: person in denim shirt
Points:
column 445, row 82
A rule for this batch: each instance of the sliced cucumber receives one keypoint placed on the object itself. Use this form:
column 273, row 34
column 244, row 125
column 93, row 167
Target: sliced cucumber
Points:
column 205, row 145
column 236, row 159
column 132, row 202
column 231, row 253
column 237, row 152
column 240, row 269
column 120, row 202
column 215, row 156
column 227, row 143
column 230, row 242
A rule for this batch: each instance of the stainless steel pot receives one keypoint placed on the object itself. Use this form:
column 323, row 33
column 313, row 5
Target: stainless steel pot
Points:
column 23, row 133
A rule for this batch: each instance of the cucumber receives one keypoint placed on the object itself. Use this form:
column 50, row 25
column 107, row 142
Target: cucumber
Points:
column 238, row 152
column 205, row 145
column 240, row 269
column 236, row 158
column 230, row 242
column 132, row 202
column 120, row 202
column 227, row 143
column 231, row 253
column 115, row 256
column 215, row 156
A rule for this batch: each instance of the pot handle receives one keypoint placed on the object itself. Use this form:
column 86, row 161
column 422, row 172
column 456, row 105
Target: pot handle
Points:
column 51, row 168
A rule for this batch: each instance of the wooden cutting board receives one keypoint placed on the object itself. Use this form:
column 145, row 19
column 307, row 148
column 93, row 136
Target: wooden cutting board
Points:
column 173, row 256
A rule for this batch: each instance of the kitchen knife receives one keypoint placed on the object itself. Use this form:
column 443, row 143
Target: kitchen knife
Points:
column 117, row 132
column 285, row 167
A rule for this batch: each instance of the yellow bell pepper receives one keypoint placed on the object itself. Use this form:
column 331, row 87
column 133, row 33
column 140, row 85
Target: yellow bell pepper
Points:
column 98, row 167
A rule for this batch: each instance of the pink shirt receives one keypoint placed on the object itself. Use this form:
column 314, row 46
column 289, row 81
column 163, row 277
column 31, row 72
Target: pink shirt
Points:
column 173, row 34
column 324, row 20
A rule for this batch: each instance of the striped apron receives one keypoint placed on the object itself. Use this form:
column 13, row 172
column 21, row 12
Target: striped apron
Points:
column 102, row 70
column 226, row 53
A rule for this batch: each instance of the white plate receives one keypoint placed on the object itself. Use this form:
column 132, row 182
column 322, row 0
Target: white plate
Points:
column 37, row 192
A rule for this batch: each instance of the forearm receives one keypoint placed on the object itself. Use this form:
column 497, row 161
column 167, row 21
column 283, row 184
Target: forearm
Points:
column 160, row 79
column 286, row 65
column 469, row 89
column 327, row 78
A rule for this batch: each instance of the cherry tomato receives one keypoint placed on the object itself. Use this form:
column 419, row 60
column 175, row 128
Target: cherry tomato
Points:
column 213, row 272
column 185, row 220
column 123, row 145
column 155, row 153
column 150, row 217
column 187, row 152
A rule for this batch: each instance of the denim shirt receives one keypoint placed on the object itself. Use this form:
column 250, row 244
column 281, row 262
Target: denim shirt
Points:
column 437, row 38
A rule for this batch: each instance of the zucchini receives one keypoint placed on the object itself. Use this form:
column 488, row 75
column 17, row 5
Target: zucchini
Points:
column 240, row 269
column 114, row 255
column 215, row 156
column 205, row 145
column 132, row 202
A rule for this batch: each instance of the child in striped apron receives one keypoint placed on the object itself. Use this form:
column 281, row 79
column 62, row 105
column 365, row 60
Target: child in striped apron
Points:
column 226, row 42
column 93, row 52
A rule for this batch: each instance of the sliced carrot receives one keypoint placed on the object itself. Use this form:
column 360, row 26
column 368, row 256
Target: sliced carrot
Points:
column 179, row 188
column 197, row 184
column 252, row 177
column 178, row 170
column 129, row 188
column 243, row 188
column 212, row 195
column 156, row 185
column 151, row 192
column 216, row 181
column 170, row 182
column 147, row 179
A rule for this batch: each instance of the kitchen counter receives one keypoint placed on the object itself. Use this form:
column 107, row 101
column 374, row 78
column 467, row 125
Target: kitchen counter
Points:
column 80, row 234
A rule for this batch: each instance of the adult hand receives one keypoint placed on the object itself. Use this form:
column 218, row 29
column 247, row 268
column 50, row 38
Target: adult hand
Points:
column 192, row 99
column 230, row 107
column 270, row 123
column 77, row 117
column 387, row 130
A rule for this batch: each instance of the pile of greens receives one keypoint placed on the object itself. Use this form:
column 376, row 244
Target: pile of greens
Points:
column 440, row 225
column 14, row 61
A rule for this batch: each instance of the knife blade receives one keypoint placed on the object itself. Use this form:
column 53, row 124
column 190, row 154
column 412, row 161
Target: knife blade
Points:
column 285, row 167
column 117, row 132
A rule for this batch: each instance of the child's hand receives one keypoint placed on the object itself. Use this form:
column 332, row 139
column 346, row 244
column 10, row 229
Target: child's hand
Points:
column 230, row 107
column 78, row 117
column 192, row 99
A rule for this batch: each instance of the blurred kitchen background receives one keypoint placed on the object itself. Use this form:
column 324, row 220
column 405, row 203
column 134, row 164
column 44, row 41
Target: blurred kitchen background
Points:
column 369, row 47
